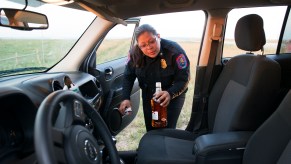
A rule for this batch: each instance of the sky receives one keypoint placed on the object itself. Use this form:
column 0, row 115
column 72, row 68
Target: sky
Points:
column 181, row 24
column 272, row 26
column 178, row 25
column 192, row 23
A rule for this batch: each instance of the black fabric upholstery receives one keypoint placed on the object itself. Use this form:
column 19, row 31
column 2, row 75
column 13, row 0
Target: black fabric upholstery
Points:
column 271, row 142
column 285, row 62
column 249, row 33
column 240, row 100
column 285, row 156
column 166, row 146
column 175, row 133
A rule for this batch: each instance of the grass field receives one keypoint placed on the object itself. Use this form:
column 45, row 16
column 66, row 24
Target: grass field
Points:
column 32, row 53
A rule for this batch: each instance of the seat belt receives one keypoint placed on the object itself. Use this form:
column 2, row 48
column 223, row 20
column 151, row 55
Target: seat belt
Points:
column 201, row 101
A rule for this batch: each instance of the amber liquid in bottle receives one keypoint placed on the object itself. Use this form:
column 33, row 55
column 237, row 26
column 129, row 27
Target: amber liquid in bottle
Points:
column 159, row 113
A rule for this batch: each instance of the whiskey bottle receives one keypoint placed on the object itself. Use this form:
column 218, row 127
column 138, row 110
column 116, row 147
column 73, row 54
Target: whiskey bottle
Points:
column 159, row 113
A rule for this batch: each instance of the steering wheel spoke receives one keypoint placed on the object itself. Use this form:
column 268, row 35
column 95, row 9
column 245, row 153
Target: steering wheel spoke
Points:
column 70, row 112
column 58, row 137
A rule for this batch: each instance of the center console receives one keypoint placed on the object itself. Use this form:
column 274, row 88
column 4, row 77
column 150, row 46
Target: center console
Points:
column 221, row 148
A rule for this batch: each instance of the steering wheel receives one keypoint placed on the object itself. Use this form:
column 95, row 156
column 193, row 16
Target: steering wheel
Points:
column 63, row 131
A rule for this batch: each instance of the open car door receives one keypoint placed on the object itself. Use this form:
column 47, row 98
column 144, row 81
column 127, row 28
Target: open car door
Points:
column 111, row 59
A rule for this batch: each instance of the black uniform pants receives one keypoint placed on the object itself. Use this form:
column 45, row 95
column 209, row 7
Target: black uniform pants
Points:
column 173, row 109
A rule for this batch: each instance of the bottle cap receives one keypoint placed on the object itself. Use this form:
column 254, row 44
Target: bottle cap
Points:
column 158, row 85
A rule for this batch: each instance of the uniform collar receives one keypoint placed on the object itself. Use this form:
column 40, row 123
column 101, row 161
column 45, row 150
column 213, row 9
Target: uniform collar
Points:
column 165, row 53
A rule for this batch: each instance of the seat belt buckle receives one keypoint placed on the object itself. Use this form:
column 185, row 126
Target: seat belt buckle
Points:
column 205, row 99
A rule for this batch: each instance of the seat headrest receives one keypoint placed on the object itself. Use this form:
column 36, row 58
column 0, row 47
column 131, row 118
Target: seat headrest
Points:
column 249, row 33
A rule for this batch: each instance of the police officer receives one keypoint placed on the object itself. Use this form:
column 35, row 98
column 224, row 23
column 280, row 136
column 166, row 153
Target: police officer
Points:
column 153, row 60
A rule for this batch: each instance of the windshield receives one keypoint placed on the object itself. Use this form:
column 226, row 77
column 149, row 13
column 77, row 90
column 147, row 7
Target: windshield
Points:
column 37, row 50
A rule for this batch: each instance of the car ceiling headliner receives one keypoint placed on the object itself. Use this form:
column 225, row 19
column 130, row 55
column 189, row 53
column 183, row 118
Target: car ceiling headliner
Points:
column 133, row 8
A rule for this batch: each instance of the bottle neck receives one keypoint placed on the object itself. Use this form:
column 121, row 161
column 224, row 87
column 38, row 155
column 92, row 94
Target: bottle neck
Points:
column 158, row 89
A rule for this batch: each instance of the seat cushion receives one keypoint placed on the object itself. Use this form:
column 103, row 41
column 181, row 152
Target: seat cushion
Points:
column 166, row 146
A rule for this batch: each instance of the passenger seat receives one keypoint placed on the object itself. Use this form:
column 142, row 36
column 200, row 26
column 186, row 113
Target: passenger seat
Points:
column 271, row 143
column 241, row 99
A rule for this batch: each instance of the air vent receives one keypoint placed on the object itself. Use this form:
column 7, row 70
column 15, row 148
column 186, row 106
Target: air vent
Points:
column 56, row 85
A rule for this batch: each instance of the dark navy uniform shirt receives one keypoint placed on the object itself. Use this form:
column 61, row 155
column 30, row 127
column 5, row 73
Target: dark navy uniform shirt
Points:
column 171, row 67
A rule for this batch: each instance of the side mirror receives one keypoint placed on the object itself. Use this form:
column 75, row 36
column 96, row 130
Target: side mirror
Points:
column 22, row 19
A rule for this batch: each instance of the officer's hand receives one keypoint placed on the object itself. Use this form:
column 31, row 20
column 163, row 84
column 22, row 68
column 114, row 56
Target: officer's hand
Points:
column 163, row 97
column 124, row 104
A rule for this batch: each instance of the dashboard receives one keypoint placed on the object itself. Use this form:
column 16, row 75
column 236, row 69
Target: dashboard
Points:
column 20, row 97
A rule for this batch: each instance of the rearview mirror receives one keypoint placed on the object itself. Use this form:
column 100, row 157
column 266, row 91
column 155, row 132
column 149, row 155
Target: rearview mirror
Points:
column 22, row 19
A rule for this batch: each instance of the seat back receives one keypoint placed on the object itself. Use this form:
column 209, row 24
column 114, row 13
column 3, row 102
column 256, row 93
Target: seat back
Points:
column 241, row 98
column 271, row 143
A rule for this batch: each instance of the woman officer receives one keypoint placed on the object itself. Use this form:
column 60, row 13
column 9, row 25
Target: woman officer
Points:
column 153, row 60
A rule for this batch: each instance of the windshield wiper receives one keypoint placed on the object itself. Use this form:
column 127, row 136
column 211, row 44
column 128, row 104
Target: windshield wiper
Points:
column 22, row 70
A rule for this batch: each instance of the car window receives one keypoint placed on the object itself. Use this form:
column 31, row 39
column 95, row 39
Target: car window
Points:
column 116, row 43
column 37, row 50
column 272, row 26
column 286, row 40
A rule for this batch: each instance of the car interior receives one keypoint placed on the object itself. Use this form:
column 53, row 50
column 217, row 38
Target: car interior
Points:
column 66, row 109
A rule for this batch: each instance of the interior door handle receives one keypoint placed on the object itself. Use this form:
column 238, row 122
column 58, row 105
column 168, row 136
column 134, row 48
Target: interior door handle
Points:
column 108, row 73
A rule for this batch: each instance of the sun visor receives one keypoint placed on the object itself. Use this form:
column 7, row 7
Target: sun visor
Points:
column 98, row 7
column 101, row 11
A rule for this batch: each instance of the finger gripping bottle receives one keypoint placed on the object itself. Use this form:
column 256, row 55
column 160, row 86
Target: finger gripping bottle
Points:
column 159, row 113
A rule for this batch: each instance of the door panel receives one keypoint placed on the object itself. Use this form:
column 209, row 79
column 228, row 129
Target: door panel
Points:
column 112, row 88
column 111, row 60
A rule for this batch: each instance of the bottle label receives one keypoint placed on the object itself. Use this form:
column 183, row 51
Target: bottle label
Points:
column 155, row 115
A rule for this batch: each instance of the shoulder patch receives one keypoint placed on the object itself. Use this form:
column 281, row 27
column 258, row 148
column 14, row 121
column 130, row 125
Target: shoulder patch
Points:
column 181, row 61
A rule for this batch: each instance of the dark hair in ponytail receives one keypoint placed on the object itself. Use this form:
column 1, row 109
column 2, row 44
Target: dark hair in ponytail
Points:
column 136, row 55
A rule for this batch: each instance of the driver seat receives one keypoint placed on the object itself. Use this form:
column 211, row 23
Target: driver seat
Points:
column 241, row 99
